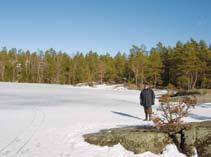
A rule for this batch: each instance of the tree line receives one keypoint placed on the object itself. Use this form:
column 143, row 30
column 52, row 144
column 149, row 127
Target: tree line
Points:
column 185, row 65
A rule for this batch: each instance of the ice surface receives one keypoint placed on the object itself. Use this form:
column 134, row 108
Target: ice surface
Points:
column 40, row 120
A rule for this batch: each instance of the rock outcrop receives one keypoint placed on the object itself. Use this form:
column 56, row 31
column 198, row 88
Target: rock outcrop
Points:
column 197, row 135
column 139, row 139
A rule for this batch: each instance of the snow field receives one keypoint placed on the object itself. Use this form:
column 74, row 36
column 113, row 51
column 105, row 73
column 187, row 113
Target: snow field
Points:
column 39, row 120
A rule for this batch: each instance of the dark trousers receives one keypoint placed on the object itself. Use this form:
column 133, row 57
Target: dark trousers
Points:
column 148, row 110
column 148, row 113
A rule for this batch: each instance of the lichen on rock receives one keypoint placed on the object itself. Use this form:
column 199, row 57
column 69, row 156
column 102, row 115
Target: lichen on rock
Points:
column 139, row 139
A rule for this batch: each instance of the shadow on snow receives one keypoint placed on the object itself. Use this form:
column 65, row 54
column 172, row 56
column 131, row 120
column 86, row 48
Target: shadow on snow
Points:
column 125, row 115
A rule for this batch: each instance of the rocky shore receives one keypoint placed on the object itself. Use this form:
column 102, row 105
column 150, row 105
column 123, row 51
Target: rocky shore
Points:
column 139, row 139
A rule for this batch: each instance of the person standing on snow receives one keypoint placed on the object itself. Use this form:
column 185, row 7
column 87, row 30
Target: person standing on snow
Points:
column 147, row 99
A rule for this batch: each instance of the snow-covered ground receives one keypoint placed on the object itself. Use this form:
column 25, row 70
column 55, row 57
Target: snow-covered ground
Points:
column 40, row 120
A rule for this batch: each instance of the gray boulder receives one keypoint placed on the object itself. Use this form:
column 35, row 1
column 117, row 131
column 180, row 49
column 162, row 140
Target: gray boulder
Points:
column 139, row 139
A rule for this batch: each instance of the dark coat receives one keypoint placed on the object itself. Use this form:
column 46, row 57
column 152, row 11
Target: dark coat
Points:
column 147, row 97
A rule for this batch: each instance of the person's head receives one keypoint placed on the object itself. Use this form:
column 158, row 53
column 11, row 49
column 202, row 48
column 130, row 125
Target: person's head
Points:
column 146, row 85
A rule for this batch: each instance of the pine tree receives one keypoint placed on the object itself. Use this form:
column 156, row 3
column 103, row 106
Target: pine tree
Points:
column 120, row 66
column 92, row 60
column 138, row 64
column 155, row 67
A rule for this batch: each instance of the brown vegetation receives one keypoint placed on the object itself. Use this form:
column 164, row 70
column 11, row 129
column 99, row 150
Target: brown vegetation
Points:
column 172, row 113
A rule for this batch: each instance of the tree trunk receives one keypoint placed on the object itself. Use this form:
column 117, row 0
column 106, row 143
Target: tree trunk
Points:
column 136, row 76
column 2, row 67
column 155, row 81
column 195, row 80
column 142, row 77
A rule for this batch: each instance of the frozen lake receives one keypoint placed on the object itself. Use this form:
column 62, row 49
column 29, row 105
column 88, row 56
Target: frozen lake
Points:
column 39, row 120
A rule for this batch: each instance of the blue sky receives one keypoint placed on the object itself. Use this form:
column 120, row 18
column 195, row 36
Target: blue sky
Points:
column 101, row 25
